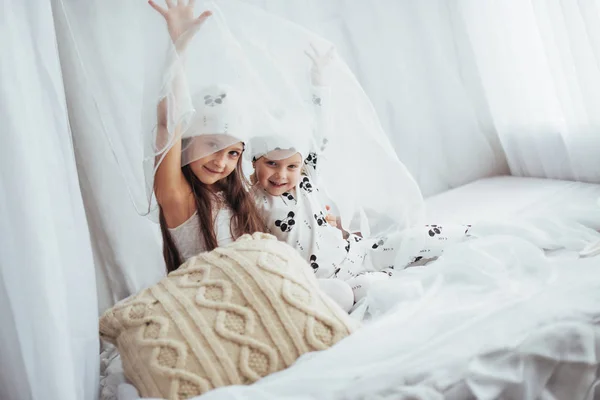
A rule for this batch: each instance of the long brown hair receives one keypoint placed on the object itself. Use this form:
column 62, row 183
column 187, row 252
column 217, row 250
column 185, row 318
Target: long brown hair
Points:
column 246, row 218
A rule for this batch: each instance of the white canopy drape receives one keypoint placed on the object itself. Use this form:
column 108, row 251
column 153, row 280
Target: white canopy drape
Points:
column 48, row 303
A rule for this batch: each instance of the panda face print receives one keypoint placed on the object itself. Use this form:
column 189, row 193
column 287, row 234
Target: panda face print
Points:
column 311, row 160
column 306, row 184
column 287, row 223
column 434, row 230
column 316, row 100
column 313, row 263
column 379, row 243
column 213, row 101
column 287, row 195
column 320, row 218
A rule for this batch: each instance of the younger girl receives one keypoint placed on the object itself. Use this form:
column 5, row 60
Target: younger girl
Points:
column 294, row 210
column 199, row 185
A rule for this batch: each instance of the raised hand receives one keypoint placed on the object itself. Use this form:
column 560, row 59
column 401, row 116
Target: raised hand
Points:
column 179, row 15
column 319, row 62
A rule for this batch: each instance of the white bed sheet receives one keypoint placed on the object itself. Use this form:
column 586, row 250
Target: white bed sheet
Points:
column 498, row 197
column 510, row 196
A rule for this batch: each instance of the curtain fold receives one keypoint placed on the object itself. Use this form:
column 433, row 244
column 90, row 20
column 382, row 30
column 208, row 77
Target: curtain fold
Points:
column 539, row 66
column 127, row 247
column 49, row 330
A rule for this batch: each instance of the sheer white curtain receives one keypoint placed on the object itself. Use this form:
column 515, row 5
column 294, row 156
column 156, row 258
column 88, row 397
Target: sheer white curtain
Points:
column 127, row 247
column 48, row 318
column 460, row 84
column 539, row 66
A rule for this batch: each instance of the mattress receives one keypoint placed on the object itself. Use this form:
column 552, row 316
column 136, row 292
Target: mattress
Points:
column 509, row 196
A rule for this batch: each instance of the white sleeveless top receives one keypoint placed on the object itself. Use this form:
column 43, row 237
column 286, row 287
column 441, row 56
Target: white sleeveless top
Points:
column 189, row 240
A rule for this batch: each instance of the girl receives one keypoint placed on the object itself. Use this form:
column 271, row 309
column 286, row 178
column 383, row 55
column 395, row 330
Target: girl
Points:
column 285, row 185
column 199, row 184
column 294, row 210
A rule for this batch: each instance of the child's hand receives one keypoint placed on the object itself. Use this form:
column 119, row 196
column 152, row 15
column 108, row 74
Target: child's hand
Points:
column 330, row 218
column 180, row 19
column 319, row 62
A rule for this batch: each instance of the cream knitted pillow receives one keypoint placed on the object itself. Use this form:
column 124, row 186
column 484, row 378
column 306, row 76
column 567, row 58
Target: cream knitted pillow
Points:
column 227, row 317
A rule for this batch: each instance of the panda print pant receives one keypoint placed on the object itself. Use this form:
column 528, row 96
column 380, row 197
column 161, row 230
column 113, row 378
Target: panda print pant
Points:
column 374, row 259
column 413, row 246
column 400, row 249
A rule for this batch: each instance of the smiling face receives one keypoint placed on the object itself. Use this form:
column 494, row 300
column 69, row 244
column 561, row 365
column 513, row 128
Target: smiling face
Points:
column 218, row 165
column 278, row 176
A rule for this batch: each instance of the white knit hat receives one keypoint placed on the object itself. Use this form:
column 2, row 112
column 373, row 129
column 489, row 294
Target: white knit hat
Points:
column 219, row 122
column 272, row 147
column 281, row 136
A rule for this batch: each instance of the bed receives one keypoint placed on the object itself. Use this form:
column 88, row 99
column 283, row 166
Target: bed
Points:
column 505, row 196
column 450, row 364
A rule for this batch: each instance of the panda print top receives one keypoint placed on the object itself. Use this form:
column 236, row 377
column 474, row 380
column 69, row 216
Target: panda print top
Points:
column 298, row 218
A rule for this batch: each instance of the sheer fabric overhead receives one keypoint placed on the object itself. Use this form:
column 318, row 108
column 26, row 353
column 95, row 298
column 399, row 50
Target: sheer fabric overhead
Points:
column 264, row 61
column 474, row 88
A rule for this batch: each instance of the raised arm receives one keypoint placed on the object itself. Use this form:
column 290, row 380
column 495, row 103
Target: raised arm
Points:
column 172, row 190
column 321, row 94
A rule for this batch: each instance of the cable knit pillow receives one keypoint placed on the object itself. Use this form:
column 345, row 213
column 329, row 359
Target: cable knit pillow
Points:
column 227, row 317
